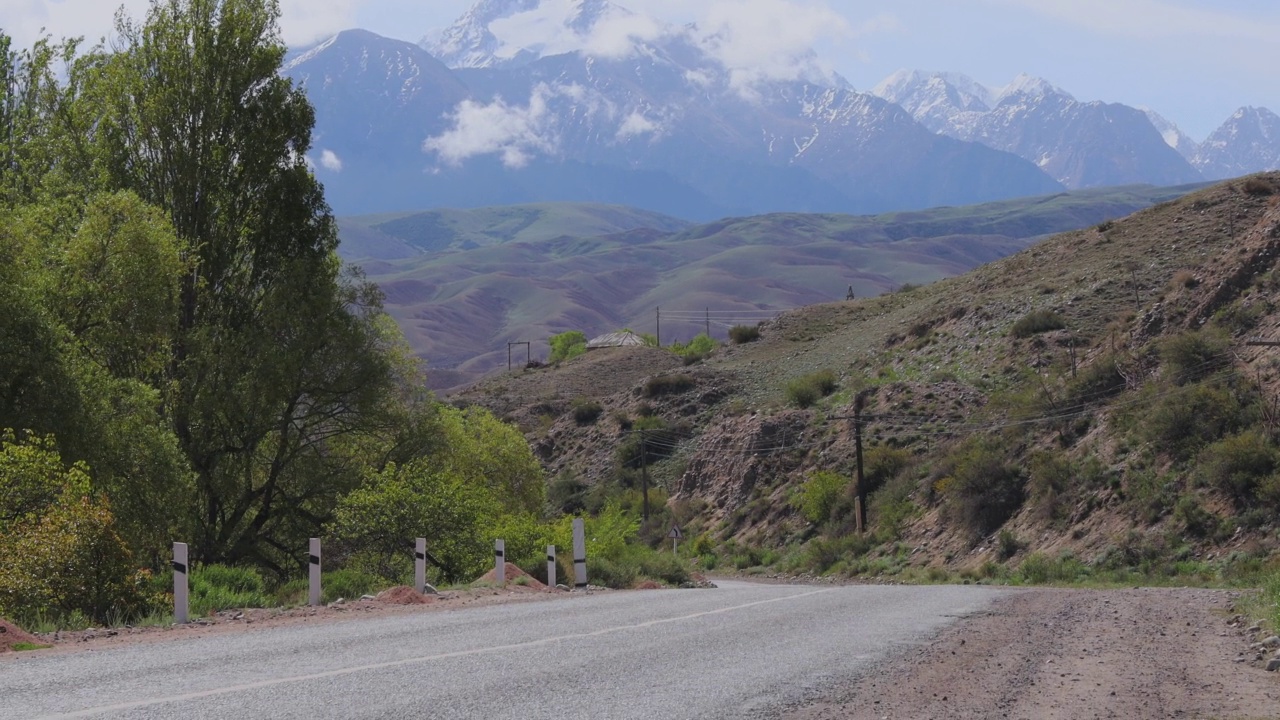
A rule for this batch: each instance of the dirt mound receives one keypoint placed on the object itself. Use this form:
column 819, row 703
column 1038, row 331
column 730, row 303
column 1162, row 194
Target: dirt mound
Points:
column 514, row 575
column 648, row 585
column 403, row 595
column 11, row 635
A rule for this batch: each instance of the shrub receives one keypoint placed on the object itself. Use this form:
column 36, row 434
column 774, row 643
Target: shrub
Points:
column 743, row 334
column 668, row 385
column 1238, row 464
column 1039, row 569
column 807, row 390
column 219, row 587
column 1007, row 545
column 1182, row 422
column 819, row 494
column 1036, row 322
column 567, row 345
column 1097, row 381
column 566, row 494
column 986, row 489
column 1259, row 187
column 1191, row 356
column 696, row 349
column 1198, row 522
column 586, row 412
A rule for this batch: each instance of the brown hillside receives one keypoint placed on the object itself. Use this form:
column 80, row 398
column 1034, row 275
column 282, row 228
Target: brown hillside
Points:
column 1058, row 366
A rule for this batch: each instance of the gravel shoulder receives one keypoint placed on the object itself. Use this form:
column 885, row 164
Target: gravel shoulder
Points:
column 1052, row 653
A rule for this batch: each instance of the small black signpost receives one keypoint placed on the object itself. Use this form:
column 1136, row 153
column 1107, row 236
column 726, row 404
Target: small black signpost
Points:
column 676, row 536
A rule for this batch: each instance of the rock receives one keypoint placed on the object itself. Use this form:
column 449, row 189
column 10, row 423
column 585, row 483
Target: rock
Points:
column 429, row 590
column 1253, row 629
column 368, row 597
column 562, row 586
column 1273, row 665
column 1271, row 642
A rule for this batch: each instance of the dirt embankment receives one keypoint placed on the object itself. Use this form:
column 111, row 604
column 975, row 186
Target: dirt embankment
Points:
column 1143, row 654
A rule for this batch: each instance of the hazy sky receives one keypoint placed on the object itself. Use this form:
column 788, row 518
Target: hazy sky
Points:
column 1194, row 61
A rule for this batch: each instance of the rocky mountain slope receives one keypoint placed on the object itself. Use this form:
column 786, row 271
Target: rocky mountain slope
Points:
column 1247, row 142
column 1091, row 400
column 462, row 284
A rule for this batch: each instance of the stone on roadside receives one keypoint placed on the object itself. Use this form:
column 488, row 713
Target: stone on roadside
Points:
column 1273, row 665
column 1271, row 642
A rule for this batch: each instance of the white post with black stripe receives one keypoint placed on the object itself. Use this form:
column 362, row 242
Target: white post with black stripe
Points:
column 500, row 561
column 180, row 598
column 551, row 566
column 314, row 596
column 420, row 565
column 579, row 554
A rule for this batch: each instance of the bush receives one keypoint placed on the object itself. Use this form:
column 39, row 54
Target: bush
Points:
column 807, row 390
column 696, row 349
column 1192, row 356
column 1238, row 464
column 567, row 494
column 1038, row 321
column 819, row 495
column 1198, row 521
column 986, row 489
column 1008, row 545
column 1039, row 569
column 1096, row 381
column 586, row 412
column 1259, row 187
column 1182, row 422
column 219, row 587
column 743, row 334
column 567, row 345
column 668, row 385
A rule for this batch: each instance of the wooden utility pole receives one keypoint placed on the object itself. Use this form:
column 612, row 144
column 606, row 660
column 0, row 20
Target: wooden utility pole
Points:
column 860, row 508
column 658, row 312
column 708, row 322
column 644, row 471
column 528, row 348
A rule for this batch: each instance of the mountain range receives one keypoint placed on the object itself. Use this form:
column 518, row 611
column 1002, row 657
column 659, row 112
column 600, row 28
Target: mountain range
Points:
column 582, row 100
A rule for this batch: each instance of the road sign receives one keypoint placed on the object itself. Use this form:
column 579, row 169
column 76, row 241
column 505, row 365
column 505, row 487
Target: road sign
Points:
column 675, row 533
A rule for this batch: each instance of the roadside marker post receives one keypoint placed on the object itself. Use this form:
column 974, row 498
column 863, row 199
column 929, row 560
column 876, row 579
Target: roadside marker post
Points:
column 420, row 565
column 180, row 598
column 676, row 536
column 314, row 597
column 579, row 554
column 500, row 561
column 551, row 566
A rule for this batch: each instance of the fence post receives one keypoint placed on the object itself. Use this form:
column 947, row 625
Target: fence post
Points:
column 579, row 554
column 314, row 596
column 500, row 561
column 180, row 598
column 420, row 565
column 551, row 566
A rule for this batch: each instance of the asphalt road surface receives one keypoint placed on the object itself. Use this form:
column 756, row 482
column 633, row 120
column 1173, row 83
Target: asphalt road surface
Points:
column 742, row 650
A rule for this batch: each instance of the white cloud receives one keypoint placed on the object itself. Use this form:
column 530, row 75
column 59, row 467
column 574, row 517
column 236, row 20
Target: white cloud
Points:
column 330, row 161
column 770, row 40
column 549, row 30
column 637, row 124
column 511, row 131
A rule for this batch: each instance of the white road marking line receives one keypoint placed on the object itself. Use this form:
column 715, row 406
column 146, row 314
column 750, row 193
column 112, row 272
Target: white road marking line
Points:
column 410, row 661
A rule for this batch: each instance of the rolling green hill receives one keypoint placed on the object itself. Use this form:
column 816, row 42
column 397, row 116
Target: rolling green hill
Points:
column 462, row 284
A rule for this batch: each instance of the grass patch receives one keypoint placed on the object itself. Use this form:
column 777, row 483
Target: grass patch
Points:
column 27, row 647
column 1038, row 321
column 806, row 391
column 668, row 385
column 743, row 334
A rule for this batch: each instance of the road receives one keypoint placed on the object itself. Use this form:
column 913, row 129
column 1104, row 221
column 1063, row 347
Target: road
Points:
column 743, row 650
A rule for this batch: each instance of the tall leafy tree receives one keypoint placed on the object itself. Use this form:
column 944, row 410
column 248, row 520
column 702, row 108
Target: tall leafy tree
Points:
column 277, row 350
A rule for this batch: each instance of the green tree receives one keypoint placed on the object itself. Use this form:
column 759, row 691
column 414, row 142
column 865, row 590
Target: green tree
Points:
column 567, row 345
column 484, row 451
column 278, row 352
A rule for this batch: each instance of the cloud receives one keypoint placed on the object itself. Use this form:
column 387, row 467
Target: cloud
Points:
column 637, row 124
column 330, row 161
column 770, row 40
column 552, row 28
column 512, row 131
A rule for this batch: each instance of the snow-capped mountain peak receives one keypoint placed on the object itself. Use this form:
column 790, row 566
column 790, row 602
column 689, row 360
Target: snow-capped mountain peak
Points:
column 1030, row 86
column 497, row 33
column 1249, row 141
column 1172, row 134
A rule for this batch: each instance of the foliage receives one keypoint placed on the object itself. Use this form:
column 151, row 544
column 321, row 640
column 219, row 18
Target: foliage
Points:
column 651, row 438
column 586, row 412
column 743, row 334
column 819, row 494
column 806, row 390
column 1036, row 322
column 699, row 348
column 1192, row 356
column 1040, row 569
column 70, row 559
column 607, row 534
column 986, row 487
column 1184, row 420
column 567, row 346
column 376, row 524
column 481, row 450
column 32, row 477
column 220, row 587
column 668, row 385
column 566, row 494
column 1239, row 464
